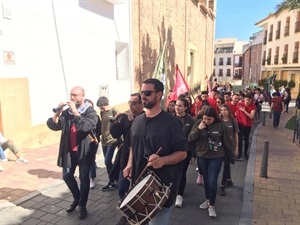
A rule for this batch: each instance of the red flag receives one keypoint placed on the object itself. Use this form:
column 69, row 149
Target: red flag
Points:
column 180, row 86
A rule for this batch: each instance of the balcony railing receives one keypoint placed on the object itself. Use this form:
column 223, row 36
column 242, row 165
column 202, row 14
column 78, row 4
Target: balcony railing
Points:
column 276, row 59
column 228, row 75
column 284, row 58
column 297, row 26
column 228, row 63
column 270, row 36
column 220, row 74
column 277, row 34
column 287, row 30
column 221, row 63
column 296, row 57
column 265, row 40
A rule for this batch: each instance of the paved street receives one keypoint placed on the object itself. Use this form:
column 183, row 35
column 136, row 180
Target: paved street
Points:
column 34, row 193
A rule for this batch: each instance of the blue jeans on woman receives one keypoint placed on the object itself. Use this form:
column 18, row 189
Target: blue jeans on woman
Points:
column 108, row 153
column 210, row 169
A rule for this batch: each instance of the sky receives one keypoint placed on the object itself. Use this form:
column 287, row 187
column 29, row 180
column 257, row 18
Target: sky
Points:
column 237, row 18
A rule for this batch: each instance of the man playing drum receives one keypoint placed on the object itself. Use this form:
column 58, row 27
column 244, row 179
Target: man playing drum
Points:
column 153, row 130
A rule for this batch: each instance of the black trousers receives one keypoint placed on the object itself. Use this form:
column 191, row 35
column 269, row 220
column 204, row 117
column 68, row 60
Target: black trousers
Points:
column 244, row 135
column 79, row 195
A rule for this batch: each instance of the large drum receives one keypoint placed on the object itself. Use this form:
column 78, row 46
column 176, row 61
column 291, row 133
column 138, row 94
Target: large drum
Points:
column 144, row 200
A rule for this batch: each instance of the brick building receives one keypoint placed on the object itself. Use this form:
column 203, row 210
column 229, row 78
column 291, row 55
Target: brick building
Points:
column 187, row 27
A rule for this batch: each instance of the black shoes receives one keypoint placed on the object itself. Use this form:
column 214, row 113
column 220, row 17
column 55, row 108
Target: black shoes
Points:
column 72, row 207
column 82, row 212
column 109, row 187
column 228, row 183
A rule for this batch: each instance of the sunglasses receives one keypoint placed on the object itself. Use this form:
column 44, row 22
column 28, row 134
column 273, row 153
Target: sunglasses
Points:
column 147, row 93
column 133, row 103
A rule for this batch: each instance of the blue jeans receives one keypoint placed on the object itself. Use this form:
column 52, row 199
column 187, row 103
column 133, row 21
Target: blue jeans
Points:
column 2, row 155
column 162, row 217
column 108, row 153
column 79, row 195
column 210, row 169
column 123, row 185
column 276, row 118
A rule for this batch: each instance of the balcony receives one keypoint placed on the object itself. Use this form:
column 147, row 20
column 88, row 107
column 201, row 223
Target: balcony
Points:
column 277, row 34
column 296, row 57
column 270, row 36
column 276, row 59
column 228, row 75
column 297, row 26
column 286, row 30
column 228, row 63
column 221, row 63
column 220, row 74
column 284, row 58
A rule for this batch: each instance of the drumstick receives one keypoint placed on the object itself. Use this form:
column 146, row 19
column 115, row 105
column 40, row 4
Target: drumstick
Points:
column 122, row 179
column 158, row 151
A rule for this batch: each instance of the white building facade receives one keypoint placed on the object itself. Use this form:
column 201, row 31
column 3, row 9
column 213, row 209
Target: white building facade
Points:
column 49, row 46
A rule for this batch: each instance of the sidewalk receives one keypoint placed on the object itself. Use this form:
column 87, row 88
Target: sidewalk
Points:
column 34, row 193
column 276, row 200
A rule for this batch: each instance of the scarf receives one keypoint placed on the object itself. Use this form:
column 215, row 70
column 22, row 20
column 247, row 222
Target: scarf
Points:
column 81, row 109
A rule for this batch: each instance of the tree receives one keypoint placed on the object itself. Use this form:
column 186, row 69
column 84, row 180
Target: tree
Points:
column 287, row 5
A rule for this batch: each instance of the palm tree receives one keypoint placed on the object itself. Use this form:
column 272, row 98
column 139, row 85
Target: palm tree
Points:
column 287, row 5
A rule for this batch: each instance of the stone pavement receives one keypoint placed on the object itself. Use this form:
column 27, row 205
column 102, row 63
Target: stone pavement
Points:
column 34, row 193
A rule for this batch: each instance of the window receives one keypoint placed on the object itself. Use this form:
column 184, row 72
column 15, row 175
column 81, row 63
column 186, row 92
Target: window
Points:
column 221, row 62
column 264, row 59
column 269, row 56
column 285, row 54
column 265, row 37
column 228, row 73
column 287, row 27
column 220, row 72
column 228, row 61
column 276, row 56
column 296, row 53
column 271, row 33
column 297, row 23
column 278, row 30
column 214, row 61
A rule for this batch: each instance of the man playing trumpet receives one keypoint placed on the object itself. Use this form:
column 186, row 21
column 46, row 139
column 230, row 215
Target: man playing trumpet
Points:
column 77, row 148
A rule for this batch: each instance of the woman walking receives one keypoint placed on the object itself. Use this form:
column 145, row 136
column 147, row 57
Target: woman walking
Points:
column 188, row 122
column 212, row 140
column 233, row 129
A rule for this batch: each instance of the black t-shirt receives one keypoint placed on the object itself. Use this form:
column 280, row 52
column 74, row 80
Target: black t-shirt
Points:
column 147, row 136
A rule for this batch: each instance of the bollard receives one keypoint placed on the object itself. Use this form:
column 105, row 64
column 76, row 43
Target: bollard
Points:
column 264, row 161
column 264, row 119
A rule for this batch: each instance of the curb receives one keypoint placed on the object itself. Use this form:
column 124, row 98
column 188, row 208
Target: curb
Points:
column 247, row 201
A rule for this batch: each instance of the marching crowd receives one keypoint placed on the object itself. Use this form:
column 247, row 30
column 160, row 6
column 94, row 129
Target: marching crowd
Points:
column 213, row 129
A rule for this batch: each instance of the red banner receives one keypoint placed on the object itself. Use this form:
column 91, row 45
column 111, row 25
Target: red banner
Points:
column 180, row 86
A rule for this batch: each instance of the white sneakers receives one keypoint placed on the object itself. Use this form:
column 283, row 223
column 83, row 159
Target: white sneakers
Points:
column 179, row 200
column 92, row 184
column 211, row 209
column 204, row 205
column 22, row 160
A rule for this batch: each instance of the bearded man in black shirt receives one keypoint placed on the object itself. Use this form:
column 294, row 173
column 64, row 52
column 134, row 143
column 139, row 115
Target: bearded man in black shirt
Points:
column 153, row 130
